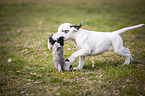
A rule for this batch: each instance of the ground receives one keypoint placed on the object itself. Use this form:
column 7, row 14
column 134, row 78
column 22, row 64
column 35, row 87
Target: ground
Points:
column 26, row 65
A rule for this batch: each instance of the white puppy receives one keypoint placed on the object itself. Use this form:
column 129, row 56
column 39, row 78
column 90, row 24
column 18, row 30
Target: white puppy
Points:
column 89, row 43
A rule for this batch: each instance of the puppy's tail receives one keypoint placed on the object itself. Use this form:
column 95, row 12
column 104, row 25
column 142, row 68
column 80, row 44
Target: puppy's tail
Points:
column 128, row 28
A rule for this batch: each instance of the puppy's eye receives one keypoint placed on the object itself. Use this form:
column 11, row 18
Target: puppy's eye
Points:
column 65, row 31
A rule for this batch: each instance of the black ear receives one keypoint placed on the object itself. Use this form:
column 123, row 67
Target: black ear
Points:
column 61, row 41
column 77, row 26
column 51, row 40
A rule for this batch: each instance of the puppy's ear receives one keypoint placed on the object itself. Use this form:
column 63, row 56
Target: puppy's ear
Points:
column 51, row 40
column 77, row 26
column 61, row 40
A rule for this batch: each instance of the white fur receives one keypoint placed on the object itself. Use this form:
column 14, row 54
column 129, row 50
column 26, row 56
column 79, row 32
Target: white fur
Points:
column 89, row 43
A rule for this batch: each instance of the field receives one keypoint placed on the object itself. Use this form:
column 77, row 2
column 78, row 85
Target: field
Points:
column 26, row 64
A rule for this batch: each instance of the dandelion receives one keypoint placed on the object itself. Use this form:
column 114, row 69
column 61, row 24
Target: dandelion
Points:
column 24, row 50
column 68, row 48
column 93, row 63
column 40, row 22
column 33, row 73
column 18, row 30
column 22, row 92
column 9, row 60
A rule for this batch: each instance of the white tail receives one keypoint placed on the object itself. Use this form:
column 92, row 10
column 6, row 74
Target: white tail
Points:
column 128, row 28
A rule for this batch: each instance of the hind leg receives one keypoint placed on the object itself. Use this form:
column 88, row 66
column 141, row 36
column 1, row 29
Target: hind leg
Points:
column 131, row 59
column 120, row 50
column 124, row 52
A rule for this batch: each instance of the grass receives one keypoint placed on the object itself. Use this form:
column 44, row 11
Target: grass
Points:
column 25, row 27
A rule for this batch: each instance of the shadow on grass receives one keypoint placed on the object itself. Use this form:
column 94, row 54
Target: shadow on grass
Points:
column 109, row 64
column 102, row 64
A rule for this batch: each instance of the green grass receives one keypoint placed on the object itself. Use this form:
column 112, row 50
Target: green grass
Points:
column 25, row 27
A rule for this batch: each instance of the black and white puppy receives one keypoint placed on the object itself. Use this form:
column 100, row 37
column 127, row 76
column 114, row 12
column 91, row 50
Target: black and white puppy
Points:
column 58, row 58
column 91, row 43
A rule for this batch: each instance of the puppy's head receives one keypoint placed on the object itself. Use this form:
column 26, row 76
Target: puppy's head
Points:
column 66, row 30
column 68, row 66
column 55, row 38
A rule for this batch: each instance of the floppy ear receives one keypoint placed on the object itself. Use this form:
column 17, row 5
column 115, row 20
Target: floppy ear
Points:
column 61, row 40
column 51, row 40
column 77, row 26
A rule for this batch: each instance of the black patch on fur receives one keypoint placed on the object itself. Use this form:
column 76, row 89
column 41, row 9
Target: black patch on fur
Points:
column 61, row 41
column 67, row 60
column 77, row 26
column 70, row 66
column 51, row 40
